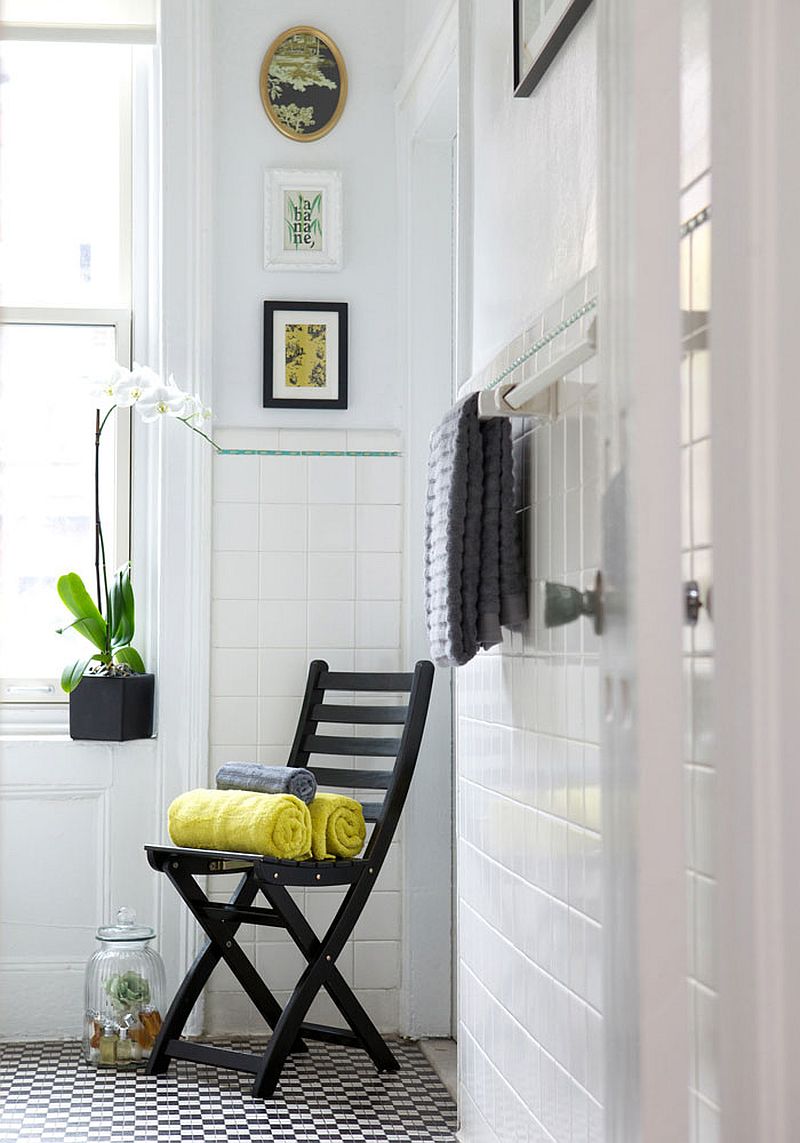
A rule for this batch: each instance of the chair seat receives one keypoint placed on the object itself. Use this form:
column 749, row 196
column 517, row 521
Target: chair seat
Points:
column 275, row 870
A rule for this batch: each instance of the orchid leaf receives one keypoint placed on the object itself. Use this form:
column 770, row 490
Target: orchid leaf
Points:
column 74, row 596
column 132, row 657
column 72, row 674
column 121, row 608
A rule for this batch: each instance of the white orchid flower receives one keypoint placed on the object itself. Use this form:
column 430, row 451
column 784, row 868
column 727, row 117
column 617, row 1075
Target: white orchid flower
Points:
column 146, row 377
column 140, row 382
column 160, row 401
column 196, row 410
column 185, row 409
column 131, row 389
column 104, row 388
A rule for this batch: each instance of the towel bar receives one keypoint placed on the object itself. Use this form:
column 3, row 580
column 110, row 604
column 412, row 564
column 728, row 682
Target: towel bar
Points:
column 536, row 396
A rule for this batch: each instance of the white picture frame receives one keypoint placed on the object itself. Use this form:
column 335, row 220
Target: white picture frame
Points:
column 302, row 220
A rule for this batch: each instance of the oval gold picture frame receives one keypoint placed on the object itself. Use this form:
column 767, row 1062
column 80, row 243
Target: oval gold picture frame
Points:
column 298, row 70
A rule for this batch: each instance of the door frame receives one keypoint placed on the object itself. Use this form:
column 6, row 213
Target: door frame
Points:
column 426, row 102
column 644, row 918
column 755, row 476
column 172, row 478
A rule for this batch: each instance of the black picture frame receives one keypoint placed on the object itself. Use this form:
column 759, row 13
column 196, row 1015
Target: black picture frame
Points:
column 275, row 397
column 554, row 38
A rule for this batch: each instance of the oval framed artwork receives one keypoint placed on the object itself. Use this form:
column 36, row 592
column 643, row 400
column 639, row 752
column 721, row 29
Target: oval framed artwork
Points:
column 303, row 83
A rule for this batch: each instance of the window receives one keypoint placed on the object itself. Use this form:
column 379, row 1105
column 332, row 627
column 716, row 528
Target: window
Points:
column 66, row 256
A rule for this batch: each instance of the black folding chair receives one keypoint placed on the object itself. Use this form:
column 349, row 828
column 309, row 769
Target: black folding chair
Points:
column 272, row 878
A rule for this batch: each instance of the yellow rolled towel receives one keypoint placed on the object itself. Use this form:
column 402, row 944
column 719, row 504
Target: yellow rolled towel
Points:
column 276, row 825
column 337, row 826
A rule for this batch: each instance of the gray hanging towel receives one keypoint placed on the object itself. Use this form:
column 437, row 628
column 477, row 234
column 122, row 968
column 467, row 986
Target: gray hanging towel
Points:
column 502, row 598
column 268, row 779
column 489, row 633
column 513, row 580
column 453, row 535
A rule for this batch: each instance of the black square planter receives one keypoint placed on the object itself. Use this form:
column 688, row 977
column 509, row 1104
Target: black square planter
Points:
column 112, row 709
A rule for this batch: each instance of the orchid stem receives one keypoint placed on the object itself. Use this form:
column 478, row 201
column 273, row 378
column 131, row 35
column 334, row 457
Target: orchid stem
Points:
column 200, row 433
column 99, row 546
column 97, row 431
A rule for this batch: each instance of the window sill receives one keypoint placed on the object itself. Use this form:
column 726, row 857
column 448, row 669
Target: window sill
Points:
column 15, row 738
column 45, row 722
column 34, row 720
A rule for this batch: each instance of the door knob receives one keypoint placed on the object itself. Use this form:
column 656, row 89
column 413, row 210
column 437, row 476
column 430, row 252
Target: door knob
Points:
column 692, row 602
column 564, row 604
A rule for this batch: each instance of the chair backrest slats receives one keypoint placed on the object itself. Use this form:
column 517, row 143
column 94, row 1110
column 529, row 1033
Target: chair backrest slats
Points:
column 411, row 718
column 364, row 681
column 372, row 811
column 363, row 715
column 339, row 744
column 352, row 779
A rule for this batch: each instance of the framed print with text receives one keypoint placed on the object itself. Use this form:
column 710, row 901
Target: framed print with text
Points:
column 302, row 220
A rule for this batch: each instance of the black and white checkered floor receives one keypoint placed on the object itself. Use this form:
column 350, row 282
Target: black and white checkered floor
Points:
column 330, row 1095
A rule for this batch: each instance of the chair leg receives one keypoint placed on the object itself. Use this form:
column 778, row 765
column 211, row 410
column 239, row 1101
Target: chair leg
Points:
column 335, row 985
column 286, row 1032
column 221, row 946
column 320, row 971
column 193, row 984
column 181, row 1007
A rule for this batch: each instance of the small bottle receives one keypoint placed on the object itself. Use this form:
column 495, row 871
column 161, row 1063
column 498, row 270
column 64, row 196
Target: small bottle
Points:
column 108, row 1046
column 124, row 1047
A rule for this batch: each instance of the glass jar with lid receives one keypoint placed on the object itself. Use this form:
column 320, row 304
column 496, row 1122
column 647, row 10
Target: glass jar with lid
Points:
column 125, row 987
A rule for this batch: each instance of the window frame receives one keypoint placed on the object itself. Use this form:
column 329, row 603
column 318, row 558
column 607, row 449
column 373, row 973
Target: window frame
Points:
column 37, row 706
column 25, row 691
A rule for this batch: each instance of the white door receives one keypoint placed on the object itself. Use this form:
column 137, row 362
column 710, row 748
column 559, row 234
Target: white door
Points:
column 72, row 820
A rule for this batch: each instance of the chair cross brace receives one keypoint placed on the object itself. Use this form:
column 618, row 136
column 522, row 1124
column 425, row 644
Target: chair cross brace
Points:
column 289, row 1029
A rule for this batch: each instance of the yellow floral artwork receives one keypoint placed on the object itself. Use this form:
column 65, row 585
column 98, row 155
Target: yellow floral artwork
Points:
column 306, row 355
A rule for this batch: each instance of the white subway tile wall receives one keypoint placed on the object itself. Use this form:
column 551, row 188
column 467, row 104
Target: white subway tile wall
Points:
column 529, row 872
column 307, row 564
column 704, row 1106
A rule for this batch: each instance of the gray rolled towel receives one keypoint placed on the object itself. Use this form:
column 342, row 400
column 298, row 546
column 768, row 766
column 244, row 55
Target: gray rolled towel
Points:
column 268, row 779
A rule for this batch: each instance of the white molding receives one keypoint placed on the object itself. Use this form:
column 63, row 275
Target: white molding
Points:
column 79, row 33
column 644, row 915
column 178, row 476
column 755, row 477
column 424, row 159
column 416, row 92
column 437, row 41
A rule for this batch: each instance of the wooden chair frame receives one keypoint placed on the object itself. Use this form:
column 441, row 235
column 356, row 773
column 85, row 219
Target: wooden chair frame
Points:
column 271, row 878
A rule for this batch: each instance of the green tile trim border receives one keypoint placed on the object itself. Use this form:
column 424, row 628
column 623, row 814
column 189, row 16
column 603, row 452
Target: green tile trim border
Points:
column 696, row 220
column 546, row 338
column 302, row 452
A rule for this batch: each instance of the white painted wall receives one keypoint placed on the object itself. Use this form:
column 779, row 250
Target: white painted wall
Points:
column 534, row 178
column 337, row 620
column 369, row 34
